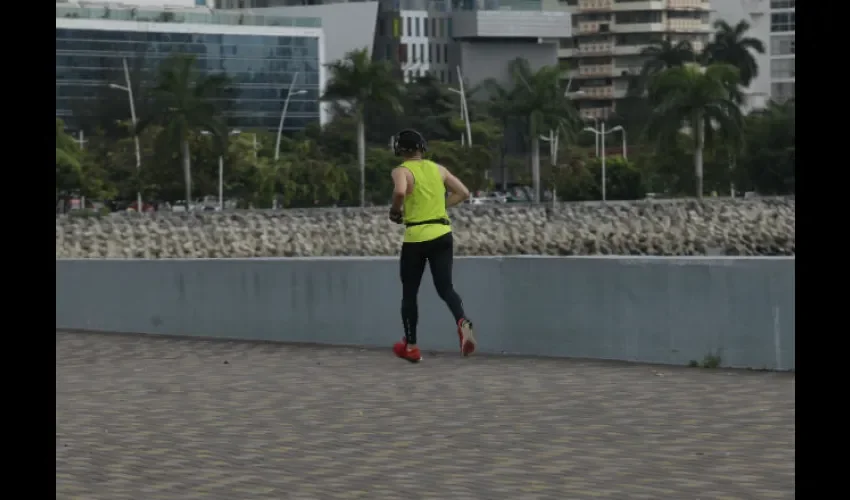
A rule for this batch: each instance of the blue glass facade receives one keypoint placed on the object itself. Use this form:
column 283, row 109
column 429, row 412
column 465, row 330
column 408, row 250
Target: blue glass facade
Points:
column 260, row 68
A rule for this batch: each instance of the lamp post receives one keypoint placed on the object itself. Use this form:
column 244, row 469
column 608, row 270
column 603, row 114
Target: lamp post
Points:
column 464, row 107
column 221, row 170
column 464, row 115
column 601, row 133
column 553, row 136
column 289, row 93
column 129, row 90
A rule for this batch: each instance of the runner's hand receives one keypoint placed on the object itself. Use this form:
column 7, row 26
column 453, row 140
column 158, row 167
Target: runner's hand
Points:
column 396, row 216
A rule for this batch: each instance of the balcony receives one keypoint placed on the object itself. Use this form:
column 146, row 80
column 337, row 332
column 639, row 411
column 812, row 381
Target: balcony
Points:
column 594, row 49
column 592, row 27
column 688, row 26
column 596, row 93
column 638, row 28
column 632, row 6
column 628, row 50
column 568, row 53
column 689, row 5
column 588, row 6
column 596, row 113
column 596, row 70
column 511, row 24
column 628, row 70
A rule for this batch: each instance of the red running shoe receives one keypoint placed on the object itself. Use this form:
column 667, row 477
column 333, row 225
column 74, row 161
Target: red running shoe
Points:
column 413, row 355
column 467, row 337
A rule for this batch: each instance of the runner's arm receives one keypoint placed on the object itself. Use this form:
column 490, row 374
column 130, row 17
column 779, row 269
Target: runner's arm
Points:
column 459, row 192
column 399, row 188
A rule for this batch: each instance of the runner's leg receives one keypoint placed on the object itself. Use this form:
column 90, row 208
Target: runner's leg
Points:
column 412, row 266
column 440, row 259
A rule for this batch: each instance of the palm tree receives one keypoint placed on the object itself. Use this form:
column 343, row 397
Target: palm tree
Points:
column 362, row 84
column 67, row 150
column 539, row 99
column 663, row 55
column 498, row 108
column 182, row 104
column 698, row 98
column 730, row 46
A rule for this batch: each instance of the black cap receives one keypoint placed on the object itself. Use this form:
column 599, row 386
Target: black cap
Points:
column 409, row 141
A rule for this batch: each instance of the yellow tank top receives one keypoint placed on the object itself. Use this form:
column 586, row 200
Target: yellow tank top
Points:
column 426, row 202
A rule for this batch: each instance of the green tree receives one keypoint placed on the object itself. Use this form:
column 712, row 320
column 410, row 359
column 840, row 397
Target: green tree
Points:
column 731, row 46
column 362, row 83
column 67, row 150
column 538, row 99
column 698, row 98
column 768, row 162
column 76, row 171
column 665, row 54
column 183, row 103
column 431, row 108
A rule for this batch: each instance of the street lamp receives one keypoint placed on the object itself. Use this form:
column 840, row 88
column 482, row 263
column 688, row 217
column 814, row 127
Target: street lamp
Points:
column 289, row 93
column 553, row 136
column 601, row 135
column 129, row 90
column 464, row 115
column 220, row 171
column 464, row 109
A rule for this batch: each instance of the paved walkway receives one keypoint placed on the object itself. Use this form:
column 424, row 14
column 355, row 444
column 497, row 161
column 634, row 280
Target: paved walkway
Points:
column 152, row 418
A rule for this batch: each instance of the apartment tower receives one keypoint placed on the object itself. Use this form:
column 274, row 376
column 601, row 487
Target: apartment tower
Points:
column 609, row 36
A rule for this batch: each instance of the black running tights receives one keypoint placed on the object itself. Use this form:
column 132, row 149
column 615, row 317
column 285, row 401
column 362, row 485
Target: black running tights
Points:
column 439, row 253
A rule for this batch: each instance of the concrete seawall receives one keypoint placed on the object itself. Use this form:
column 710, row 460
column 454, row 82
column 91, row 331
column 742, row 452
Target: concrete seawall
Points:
column 657, row 310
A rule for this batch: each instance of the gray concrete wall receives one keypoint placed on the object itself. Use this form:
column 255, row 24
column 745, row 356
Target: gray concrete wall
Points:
column 481, row 59
column 510, row 24
column 347, row 26
column 659, row 310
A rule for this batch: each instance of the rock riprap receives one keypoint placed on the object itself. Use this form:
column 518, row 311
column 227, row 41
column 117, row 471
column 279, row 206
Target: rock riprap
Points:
column 670, row 227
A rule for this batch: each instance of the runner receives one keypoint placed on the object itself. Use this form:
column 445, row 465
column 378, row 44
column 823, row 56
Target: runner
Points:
column 420, row 189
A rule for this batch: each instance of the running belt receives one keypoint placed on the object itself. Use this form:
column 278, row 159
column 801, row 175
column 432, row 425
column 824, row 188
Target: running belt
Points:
column 444, row 222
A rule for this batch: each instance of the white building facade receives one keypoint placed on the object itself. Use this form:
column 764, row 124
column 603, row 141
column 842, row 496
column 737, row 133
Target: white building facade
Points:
column 774, row 23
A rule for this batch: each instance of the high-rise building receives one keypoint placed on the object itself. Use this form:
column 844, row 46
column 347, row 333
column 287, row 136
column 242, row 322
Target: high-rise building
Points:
column 609, row 36
column 437, row 37
column 774, row 23
column 261, row 54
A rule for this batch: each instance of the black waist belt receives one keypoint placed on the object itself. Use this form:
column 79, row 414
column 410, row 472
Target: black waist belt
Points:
column 444, row 222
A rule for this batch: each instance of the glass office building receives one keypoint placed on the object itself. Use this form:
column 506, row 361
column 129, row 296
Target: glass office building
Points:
column 261, row 55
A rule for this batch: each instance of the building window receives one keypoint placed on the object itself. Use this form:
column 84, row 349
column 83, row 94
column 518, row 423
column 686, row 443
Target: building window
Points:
column 409, row 27
column 442, row 28
column 782, row 4
column 782, row 45
column 784, row 90
column 402, row 53
column 422, row 52
column 430, row 53
column 380, row 27
column 442, row 76
column 445, row 53
column 449, row 74
column 413, row 59
column 437, row 50
column 425, row 27
column 783, row 68
column 417, row 27
column 449, row 21
column 783, row 21
column 433, row 27
column 388, row 52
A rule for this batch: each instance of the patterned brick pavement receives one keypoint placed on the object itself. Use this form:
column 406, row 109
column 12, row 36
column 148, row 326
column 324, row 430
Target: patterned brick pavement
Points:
column 153, row 418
